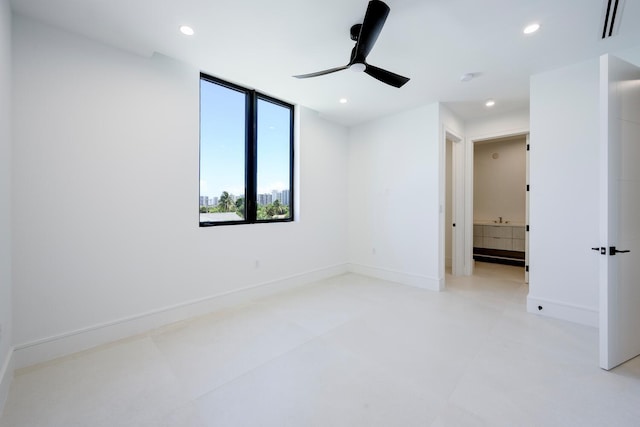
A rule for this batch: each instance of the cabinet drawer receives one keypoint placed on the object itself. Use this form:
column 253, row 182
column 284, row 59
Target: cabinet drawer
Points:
column 518, row 232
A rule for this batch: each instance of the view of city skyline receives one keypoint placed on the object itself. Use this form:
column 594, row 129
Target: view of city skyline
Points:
column 284, row 197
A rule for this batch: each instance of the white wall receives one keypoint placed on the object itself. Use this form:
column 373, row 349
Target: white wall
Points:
column 510, row 123
column 5, row 201
column 394, row 196
column 499, row 185
column 631, row 55
column 451, row 123
column 564, row 193
column 106, row 195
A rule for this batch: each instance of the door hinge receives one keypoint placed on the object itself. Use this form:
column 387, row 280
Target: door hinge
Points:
column 526, row 268
column 527, row 147
column 527, row 229
column 527, row 187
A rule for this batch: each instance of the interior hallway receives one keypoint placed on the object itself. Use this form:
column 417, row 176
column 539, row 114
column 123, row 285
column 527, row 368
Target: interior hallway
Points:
column 348, row 351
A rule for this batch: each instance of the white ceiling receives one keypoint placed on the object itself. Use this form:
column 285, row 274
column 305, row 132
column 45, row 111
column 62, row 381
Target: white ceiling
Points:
column 262, row 43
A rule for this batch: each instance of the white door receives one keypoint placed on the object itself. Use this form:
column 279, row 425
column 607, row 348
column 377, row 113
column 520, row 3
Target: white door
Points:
column 620, row 212
column 454, row 206
column 526, row 216
column 458, row 206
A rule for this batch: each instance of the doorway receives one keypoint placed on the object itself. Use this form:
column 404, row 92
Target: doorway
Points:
column 497, row 201
column 454, row 226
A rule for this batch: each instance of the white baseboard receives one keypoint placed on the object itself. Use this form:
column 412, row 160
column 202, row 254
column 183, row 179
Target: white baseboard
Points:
column 424, row 282
column 560, row 310
column 6, row 375
column 49, row 348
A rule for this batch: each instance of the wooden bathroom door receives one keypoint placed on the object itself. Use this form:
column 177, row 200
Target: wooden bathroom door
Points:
column 620, row 212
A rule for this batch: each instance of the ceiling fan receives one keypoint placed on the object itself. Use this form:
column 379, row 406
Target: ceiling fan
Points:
column 365, row 36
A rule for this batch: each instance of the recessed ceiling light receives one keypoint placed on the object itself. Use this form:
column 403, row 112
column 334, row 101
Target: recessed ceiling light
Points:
column 532, row 28
column 490, row 103
column 187, row 30
column 343, row 100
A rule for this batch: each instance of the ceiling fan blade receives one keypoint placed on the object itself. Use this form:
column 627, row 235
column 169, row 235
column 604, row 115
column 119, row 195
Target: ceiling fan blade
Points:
column 385, row 76
column 374, row 20
column 321, row 73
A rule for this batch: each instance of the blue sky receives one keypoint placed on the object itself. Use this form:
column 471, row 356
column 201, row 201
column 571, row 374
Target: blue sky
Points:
column 222, row 136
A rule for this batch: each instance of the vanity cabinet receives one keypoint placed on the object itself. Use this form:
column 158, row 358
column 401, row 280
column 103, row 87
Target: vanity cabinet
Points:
column 500, row 241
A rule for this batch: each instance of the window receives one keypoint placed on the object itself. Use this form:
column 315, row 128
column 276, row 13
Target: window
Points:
column 246, row 155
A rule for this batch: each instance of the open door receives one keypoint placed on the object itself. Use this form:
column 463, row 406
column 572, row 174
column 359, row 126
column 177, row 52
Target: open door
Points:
column 455, row 192
column 620, row 212
column 526, row 214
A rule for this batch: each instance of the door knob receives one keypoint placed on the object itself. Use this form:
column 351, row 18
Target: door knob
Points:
column 613, row 251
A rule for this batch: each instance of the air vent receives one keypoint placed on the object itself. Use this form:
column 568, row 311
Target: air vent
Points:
column 611, row 16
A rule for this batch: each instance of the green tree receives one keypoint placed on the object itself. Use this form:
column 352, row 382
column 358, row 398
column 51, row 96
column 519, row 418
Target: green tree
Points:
column 270, row 211
column 278, row 209
column 240, row 206
column 261, row 213
column 273, row 209
column 226, row 203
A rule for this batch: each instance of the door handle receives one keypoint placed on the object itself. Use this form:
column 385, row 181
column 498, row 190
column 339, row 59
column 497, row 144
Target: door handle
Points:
column 603, row 250
column 613, row 251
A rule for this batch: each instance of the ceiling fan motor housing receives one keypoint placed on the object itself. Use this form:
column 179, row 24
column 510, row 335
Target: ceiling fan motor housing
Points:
column 355, row 32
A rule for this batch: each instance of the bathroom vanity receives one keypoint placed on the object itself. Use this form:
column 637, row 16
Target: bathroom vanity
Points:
column 497, row 242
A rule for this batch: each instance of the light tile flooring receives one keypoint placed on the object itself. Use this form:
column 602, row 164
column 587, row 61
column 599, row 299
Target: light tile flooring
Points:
column 349, row 351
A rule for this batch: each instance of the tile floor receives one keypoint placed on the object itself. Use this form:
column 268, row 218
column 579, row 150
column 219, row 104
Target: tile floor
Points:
column 348, row 351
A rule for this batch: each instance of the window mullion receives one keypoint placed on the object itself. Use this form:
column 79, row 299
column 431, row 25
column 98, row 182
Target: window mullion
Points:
column 251, row 157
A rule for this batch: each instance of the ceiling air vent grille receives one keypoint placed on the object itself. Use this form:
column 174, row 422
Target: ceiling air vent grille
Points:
column 611, row 17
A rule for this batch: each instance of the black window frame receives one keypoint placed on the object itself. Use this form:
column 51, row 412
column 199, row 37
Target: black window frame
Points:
column 251, row 153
